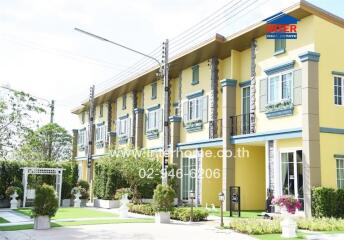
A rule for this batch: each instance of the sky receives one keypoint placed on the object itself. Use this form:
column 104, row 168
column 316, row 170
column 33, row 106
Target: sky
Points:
column 42, row 54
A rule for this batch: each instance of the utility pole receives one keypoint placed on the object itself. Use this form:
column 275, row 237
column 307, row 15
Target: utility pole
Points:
column 166, row 109
column 90, row 136
column 52, row 109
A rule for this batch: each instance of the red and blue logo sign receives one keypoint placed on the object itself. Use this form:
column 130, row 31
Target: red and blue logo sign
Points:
column 281, row 26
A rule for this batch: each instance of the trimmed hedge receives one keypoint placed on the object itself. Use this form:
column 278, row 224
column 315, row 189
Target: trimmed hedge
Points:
column 255, row 226
column 146, row 209
column 321, row 224
column 327, row 202
column 11, row 174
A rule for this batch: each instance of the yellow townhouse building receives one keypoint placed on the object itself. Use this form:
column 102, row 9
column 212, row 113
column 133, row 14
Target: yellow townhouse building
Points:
column 265, row 115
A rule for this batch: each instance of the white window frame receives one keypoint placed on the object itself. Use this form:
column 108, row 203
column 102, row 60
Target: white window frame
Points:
column 195, row 114
column 340, row 181
column 153, row 119
column 280, row 90
column 334, row 96
column 189, row 178
column 100, row 133
column 123, row 126
column 289, row 150
column 82, row 137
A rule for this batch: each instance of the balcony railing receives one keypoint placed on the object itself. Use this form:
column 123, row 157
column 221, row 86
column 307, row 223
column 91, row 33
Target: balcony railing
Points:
column 240, row 124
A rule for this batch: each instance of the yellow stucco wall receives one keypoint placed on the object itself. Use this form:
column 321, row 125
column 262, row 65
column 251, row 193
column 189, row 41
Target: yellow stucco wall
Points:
column 211, row 185
column 250, row 176
column 289, row 143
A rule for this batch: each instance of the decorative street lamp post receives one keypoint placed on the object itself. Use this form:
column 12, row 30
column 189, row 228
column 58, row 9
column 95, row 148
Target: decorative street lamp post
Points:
column 222, row 199
column 192, row 197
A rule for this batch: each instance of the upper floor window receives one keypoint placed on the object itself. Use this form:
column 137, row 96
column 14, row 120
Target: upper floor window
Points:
column 154, row 90
column 100, row 132
column 280, row 87
column 82, row 137
column 124, row 102
column 123, row 126
column 195, row 75
column 280, row 45
column 195, row 109
column 340, row 173
column 101, row 110
column 338, row 90
column 154, row 119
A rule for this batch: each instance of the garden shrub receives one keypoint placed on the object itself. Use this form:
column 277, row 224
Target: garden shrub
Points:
column 146, row 209
column 327, row 202
column 163, row 198
column 255, row 226
column 85, row 187
column 184, row 214
column 46, row 202
column 321, row 224
column 120, row 192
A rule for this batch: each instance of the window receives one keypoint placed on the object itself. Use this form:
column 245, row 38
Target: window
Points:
column 292, row 174
column 124, row 102
column 101, row 109
column 280, row 45
column 338, row 91
column 189, row 177
column 100, row 132
column 340, row 173
column 153, row 118
column 246, row 109
column 280, row 87
column 123, row 126
column 82, row 137
column 154, row 90
column 195, row 74
column 195, row 109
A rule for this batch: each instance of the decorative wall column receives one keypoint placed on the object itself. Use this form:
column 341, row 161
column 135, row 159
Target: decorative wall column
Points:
column 133, row 125
column 175, row 139
column 213, row 97
column 253, row 88
column 75, row 143
column 228, row 161
column 138, row 113
column 108, row 125
column 310, row 126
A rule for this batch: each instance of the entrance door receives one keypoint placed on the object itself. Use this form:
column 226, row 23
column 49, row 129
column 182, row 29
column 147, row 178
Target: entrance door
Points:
column 189, row 177
column 292, row 174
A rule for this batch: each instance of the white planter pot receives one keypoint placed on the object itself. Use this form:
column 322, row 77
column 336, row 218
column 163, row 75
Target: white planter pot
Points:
column 175, row 201
column 162, row 217
column 107, row 203
column 42, row 223
column 288, row 225
column 14, row 202
column 66, row 203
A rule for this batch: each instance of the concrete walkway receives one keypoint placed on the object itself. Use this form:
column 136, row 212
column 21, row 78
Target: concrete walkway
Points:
column 134, row 231
column 13, row 217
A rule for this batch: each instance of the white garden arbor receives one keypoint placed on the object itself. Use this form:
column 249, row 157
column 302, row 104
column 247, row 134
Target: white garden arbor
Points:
column 42, row 171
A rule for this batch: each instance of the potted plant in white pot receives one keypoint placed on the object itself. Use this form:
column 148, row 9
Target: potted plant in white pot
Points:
column 289, row 205
column 44, row 207
column 163, row 202
column 14, row 192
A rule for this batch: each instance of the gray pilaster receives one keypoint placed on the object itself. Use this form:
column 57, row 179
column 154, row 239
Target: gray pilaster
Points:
column 253, row 88
column 133, row 127
column 310, row 126
column 228, row 161
column 175, row 139
column 75, row 143
column 213, row 97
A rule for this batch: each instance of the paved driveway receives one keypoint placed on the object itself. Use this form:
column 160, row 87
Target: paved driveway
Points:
column 135, row 231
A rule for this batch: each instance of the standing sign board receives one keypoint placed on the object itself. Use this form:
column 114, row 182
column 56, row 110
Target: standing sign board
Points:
column 234, row 192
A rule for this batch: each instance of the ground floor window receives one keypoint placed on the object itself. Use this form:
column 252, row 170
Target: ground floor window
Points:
column 340, row 173
column 292, row 174
column 189, row 177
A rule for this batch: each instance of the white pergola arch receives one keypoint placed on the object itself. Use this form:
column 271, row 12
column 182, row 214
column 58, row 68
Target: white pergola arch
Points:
column 43, row 171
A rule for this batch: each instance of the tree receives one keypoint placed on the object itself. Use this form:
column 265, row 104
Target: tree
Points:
column 49, row 142
column 17, row 110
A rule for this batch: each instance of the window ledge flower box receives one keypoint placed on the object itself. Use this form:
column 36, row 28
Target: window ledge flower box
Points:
column 280, row 109
column 122, row 139
column 100, row 144
column 194, row 125
column 152, row 134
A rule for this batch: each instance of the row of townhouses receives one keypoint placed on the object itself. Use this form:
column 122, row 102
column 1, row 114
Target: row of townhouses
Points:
column 282, row 101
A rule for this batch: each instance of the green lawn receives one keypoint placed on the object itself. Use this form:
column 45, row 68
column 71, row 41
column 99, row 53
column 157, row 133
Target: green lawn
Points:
column 3, row 220
column 278, row 236
column 63, row 213
column 79, row 223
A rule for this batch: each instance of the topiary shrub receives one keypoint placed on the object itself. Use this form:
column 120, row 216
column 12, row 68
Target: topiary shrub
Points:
column 46, row 202
column 184, row 214
column 84, row 187
column 340, row 203
column 12, row 189
column 324, row 202
column 163, row 198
